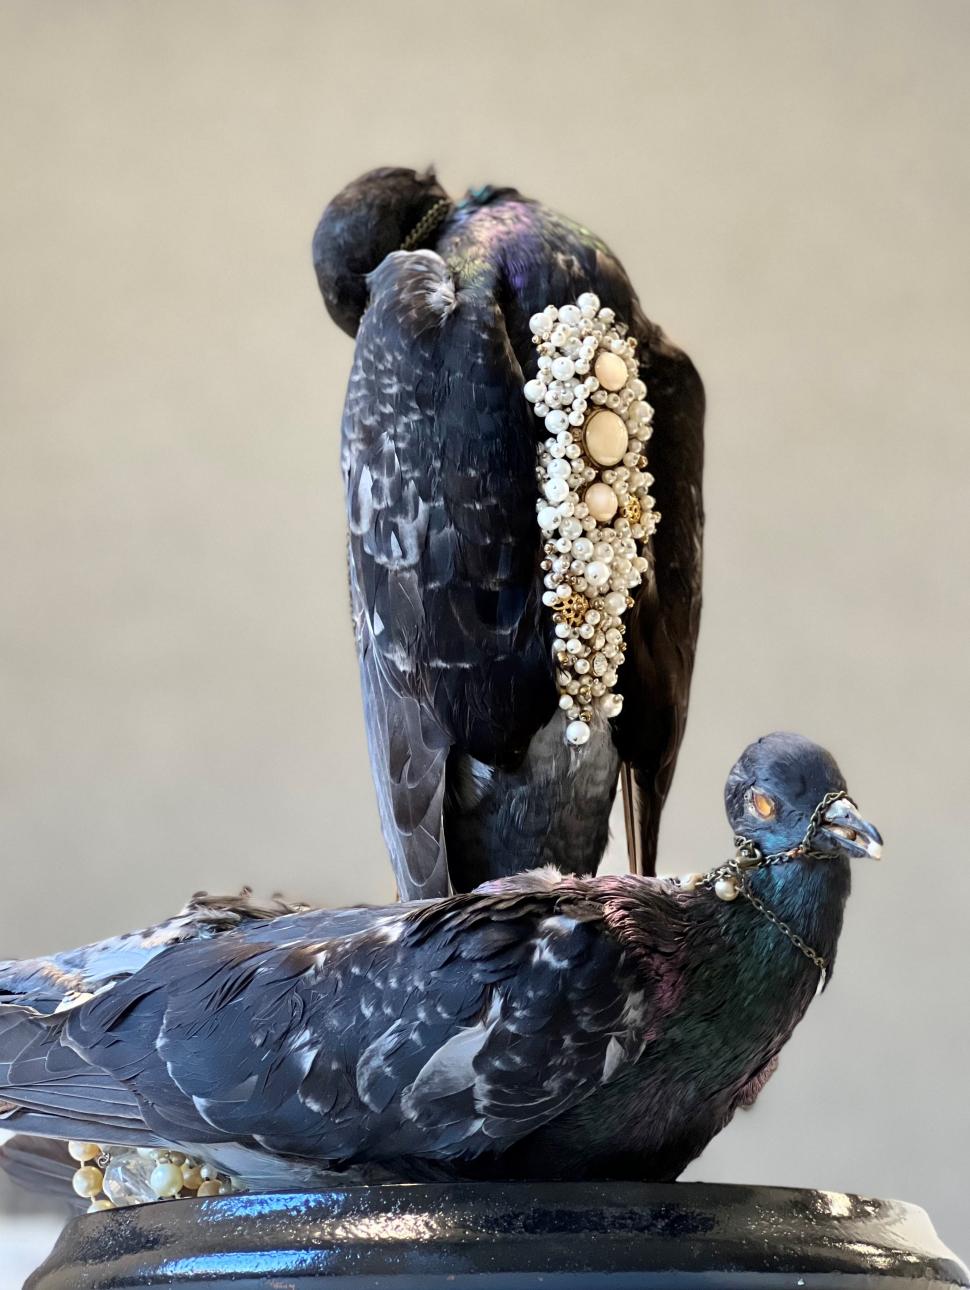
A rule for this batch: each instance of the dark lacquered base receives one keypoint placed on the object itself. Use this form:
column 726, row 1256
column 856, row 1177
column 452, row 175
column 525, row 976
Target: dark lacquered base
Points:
column 508, row 1237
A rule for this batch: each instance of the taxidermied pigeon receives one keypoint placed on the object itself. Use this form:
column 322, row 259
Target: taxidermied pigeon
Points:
column 544, row 1026
column 447, row 570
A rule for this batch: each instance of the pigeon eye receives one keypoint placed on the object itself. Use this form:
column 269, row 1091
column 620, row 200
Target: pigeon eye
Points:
column 762, row 805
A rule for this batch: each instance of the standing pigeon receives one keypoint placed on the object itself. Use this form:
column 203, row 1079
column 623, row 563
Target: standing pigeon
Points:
column 544, row 1026
column 454, row 584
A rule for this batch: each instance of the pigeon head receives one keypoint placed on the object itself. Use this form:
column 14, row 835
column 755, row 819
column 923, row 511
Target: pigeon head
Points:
column 363, row 224
column 774, row 789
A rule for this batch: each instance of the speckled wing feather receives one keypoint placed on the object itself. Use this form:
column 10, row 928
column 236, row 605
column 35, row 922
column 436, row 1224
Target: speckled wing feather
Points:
column 438, row 460
column 444, row 1031
column 54, row 981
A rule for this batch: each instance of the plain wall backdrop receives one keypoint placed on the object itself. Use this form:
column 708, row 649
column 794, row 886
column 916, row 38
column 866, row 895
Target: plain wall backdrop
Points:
column 788, row 185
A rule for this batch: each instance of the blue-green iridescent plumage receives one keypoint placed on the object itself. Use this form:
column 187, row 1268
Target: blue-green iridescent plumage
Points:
column 439, row 455
column 543, row 1026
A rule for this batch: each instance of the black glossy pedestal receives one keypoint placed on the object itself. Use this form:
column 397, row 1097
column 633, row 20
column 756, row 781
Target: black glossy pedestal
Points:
column 580, row 1236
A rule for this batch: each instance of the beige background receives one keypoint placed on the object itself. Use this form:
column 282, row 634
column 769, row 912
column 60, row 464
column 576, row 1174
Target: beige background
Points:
column 788, row 184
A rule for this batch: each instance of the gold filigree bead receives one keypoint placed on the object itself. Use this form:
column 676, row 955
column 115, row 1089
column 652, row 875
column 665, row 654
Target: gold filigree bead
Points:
column 632, row 510
column 573, row 610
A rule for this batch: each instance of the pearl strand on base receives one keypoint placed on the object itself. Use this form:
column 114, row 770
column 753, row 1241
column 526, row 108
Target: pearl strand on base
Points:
column 595, row 508
column 140, row 1175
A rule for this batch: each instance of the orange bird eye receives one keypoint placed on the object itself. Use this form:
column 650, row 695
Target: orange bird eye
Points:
column 763, row 805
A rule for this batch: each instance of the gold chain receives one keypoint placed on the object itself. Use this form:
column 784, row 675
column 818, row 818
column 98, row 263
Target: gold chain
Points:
column 429, row 220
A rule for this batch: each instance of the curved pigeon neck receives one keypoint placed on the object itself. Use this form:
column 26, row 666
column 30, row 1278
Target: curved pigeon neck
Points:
column 809, row 895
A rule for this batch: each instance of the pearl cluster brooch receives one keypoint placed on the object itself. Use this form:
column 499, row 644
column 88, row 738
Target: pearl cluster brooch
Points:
column 116, row 1177
column 595, row 508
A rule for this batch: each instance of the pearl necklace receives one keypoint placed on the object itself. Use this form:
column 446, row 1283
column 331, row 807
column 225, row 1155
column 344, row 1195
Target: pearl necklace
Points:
column 595, row 509
column 139, row 1175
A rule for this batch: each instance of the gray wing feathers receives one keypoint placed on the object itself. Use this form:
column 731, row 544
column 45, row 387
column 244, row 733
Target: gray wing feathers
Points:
column 447, row 1031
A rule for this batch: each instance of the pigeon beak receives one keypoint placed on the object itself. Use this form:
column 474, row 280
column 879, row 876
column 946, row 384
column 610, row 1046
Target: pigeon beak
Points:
column 846, row 830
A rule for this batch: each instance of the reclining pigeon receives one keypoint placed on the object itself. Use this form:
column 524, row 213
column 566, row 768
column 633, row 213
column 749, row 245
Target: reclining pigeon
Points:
column 538, row 1027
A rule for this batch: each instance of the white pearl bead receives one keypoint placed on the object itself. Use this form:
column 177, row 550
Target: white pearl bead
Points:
column 571, row 528
column 538, row 323
column 606, row 438
column 557, row 490
column 582, row 547
column 533, row 391
column 597, row 573
column 565, row 702
column 166, row 1180
column 589, row 300
column 556, row 420
column 602, row 502
column 570, row 315
column 87, row 1181
column 574, row 646
column 615, row 603
column 563, row 368
column 603, row 551
column 83, row 1151
column 726, row 889
column 549, row 598
column 611, row 705
column 558, row 469
column 610, row 371
column 577, row 733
